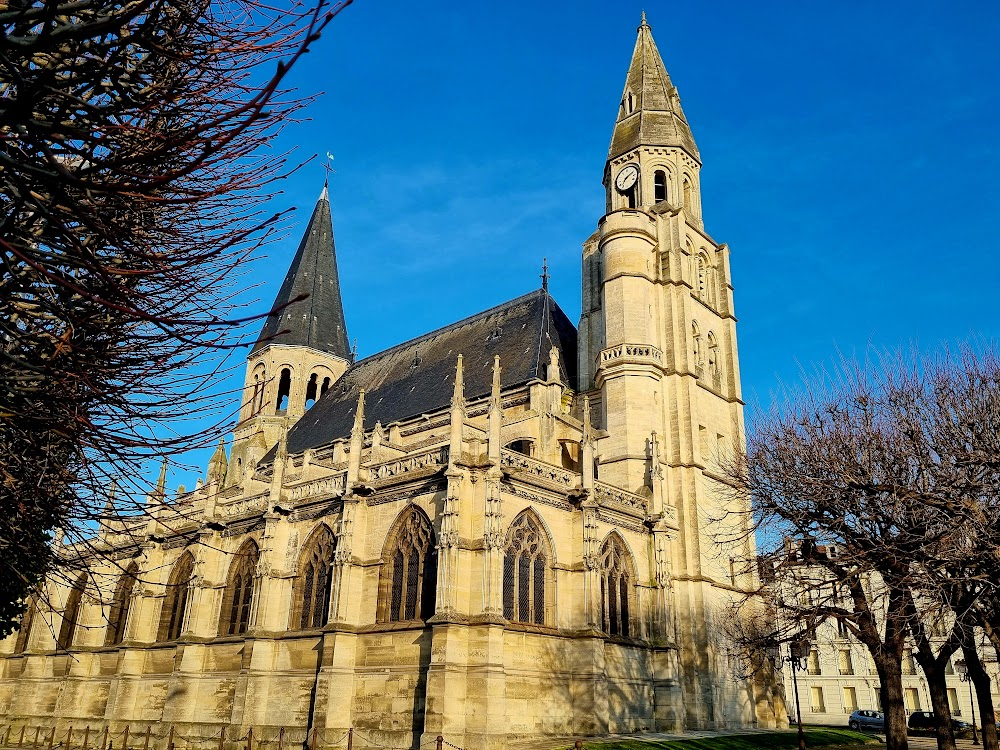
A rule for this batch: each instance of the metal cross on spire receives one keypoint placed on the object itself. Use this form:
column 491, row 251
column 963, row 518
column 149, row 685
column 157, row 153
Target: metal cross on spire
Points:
column 545, row 274
column 328, row 168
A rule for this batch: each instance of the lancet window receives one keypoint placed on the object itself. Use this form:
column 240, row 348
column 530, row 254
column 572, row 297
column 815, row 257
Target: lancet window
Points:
column 235, row 617
column 409, row 577
column 176, row 601
column 71, row 613
column 659, row 185
column 314, row 584
column 713, row 355
column 696, row 344
column 284, row 388
column 118, row 616
column 617, row 584
column 24, row 629
column 525, row 570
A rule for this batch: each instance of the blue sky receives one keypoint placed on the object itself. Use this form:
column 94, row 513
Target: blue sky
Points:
column 850, row 161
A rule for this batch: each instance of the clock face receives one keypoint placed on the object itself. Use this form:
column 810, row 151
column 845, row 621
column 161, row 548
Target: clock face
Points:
column 627, row 178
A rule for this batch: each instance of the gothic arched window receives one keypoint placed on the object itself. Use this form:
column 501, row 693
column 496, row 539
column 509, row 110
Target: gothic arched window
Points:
column 713, row 354
column 24, row 629
column 408, row 583
column 696, row 341
column 659, row 186
column 525, row 570
column 284, row 388
column 118, row 616
column 617, row 583
column 176, row 600
column 71, row 613
column 315, row 580
column 235, row 615
column 688, row 195
column 311, row 388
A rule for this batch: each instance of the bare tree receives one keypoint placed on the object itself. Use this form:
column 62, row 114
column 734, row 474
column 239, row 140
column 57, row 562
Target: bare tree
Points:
column 133, row 183
column 878, row 462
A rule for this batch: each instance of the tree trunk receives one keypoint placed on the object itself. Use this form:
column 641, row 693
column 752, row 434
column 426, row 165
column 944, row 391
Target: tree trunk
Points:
column 939, row 703
column 890, row 675
column 984, row 701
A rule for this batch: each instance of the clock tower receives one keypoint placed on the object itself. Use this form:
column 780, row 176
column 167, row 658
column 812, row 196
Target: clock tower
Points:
column 658, row 355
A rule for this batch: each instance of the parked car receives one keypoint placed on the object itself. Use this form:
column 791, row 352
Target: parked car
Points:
column 862, row 720
column 928, row 721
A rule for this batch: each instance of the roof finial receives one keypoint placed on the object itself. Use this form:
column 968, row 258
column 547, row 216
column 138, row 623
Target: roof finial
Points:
column 545, row 274
column 328, row 168
column 161, row 482
column 643, row 20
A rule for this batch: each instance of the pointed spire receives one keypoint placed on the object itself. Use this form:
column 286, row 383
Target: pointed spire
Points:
column 318, row 320
column 161, row 482
column 458, row 395
column 587, row 452
column 359, row 415
column 650, row 112
column 109, row 504
column 457, row 414
column 218, row 464
column 357, row 444
column 494, row 416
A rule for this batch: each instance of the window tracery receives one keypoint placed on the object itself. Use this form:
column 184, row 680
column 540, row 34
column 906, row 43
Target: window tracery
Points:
column 118, row 616
column 314, row 584
column 525, row 569
column 617, row 583
column 71, row 613
column 409, row 577
column 235, row 616
column 176, row 600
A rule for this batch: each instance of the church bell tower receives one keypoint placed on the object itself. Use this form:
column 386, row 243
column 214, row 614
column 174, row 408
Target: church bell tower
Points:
column 658, row 353
column 302, row 348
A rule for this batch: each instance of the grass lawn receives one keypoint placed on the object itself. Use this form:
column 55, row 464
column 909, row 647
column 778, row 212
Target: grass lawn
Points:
column 815, row 738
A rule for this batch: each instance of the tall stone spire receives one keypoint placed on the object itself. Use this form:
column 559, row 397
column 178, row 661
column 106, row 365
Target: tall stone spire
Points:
column 650, row 112
column 317, row 321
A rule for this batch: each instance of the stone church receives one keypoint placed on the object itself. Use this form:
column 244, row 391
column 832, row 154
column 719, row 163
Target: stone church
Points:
column 497, row 531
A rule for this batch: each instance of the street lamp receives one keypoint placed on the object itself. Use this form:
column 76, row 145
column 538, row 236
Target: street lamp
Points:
column 963, row 674
column 798, row 650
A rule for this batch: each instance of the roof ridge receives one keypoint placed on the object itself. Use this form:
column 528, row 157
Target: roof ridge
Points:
column 451, row 326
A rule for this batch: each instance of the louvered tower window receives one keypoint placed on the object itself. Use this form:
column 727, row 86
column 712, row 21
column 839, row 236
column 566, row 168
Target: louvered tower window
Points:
column 71, row 613
column 659, row 185
column 239, row 591
column 524, row 571
column 315, row 581
column 409, row 578
column 176, row 600
column 617, row 581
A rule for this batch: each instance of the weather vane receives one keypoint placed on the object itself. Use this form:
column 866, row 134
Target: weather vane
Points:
column 545, row 274
column 328, row 168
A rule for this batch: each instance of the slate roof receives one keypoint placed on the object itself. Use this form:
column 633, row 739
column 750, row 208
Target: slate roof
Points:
column 657, row 118
column 418, row 376
column 318, row 320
